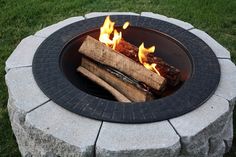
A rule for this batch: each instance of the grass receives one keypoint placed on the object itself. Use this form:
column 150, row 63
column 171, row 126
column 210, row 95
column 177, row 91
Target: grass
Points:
column 19, row 19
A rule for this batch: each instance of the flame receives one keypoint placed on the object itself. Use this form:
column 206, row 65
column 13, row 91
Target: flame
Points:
column 142, row 56
column 111, row 37
column 126, row 24
column 151, row 67
column 107, row 30
column 142, row 52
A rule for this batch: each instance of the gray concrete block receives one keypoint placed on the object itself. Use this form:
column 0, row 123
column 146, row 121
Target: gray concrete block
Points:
column 139, row 140
column 45, row 32
column 216, row 146
column 192, row 123
column 219, row 150
column 227, row 85
column 198, row 151
column 24, row 96
column 43, row 128
column 24, row 93
column 95, row 14
column 177, row 22
column 18, row 129
column 55, row 130
column 23, row 54
column 221, row 143
column 155, row 16
column 218, row 49
column 196, row 127
column 227, row 135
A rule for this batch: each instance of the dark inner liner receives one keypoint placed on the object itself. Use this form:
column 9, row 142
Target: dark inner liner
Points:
column 56, row 60
column 172, row 51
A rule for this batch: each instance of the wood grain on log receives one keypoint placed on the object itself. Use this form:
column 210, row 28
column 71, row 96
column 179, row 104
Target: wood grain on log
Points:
column 99, row 52
column 169, row 72
column 132, row 91
column 120, row 97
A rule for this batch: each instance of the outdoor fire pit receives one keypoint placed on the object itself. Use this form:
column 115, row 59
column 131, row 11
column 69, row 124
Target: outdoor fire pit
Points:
column 70, row 94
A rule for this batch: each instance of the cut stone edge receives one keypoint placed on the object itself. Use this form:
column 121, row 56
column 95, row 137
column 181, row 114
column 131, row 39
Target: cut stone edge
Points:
column 182, row 24
column 26, row 50
column 47, row 31
column 227, row 85
column 172, row 149
column 97, row 14
column 218, row 49
column 58, row 139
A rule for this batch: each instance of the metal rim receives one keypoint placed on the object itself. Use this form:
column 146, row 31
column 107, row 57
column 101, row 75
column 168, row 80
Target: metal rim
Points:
column 194, row 92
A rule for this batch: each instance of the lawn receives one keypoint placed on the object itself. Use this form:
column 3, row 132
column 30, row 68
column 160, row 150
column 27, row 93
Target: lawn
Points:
column 19, row 19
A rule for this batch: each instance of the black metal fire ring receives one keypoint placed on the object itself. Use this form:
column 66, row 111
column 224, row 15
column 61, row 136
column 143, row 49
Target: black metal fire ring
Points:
column 194, row 92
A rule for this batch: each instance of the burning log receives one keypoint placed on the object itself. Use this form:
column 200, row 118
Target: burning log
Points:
column 120, row 97
column 169, row 72
column 127, row 49
column 129, row 88
column 107, row 56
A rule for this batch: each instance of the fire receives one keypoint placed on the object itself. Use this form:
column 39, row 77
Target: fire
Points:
column 151, row 67
column 126, row 24
column 142, row 56
column 111, row 37
column 107, row 30
column 142, row 53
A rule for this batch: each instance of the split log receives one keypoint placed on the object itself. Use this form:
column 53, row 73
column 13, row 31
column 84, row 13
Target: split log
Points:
column 130, row 89
column 169, row 72
column 99, row 52
column 120, row 97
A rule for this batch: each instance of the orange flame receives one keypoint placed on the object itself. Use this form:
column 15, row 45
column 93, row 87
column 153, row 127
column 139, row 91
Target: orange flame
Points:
column 151, row 67
column 142, row 56
column 126, row 24
column 111, row 37
column 107, row 30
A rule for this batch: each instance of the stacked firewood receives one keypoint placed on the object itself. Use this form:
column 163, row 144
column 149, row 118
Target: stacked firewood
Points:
column 120, row 72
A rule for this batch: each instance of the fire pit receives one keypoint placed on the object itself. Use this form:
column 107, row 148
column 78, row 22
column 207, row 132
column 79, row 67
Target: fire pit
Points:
column 68, row 92
column 197, row 112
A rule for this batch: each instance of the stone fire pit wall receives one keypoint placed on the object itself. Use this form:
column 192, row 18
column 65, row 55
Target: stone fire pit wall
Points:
column 42, row 128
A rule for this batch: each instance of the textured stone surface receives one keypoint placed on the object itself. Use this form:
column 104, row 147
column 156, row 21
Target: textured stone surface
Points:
column 155, row 16
column 24, row 96
column 227, row 134
column 221, row 143
column 197, row 127
column 219, row 150
column 23, row 54
column 216, row 146
column 20, row 134
column 138, row 140
column 227, row 85
column 24, row 93
column 218, row 49
column 177, row 22
column 45, row 32
column 42, row 128
column 200, row 118
column 55, row 130
column 47, row 128
column 95, row 14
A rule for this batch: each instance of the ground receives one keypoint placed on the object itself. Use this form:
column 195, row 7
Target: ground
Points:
column 19, row 19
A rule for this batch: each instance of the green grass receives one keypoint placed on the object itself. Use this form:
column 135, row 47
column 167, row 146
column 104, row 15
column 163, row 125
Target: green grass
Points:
column 19, row 19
